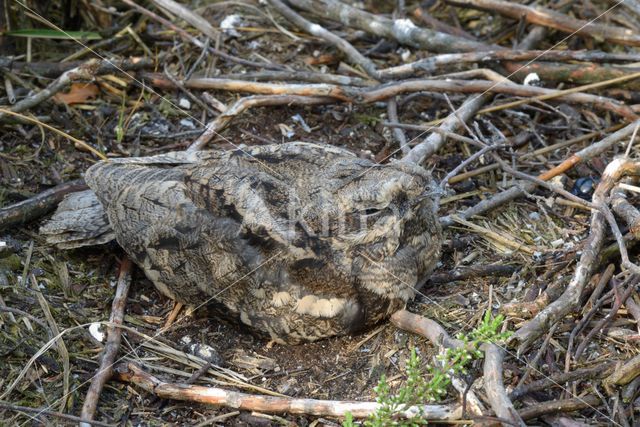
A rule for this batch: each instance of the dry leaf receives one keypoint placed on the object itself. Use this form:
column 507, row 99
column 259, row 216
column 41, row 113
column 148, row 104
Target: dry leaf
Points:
column 77, row 94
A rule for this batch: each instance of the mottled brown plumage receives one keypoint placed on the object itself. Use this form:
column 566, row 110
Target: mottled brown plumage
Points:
column 298, row 241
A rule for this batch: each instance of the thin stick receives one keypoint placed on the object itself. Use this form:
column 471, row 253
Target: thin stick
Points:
column 556, row 379
column 434, row 142
column 398, row 133
column 383, row 92
column 559, row 406
column 434, row 63
column 114, row 335
column 76, row 141
column 189, row 38
column 552, row 19
column 602, row 323
column 189, row 16
column 43, row 411
column 624, row 373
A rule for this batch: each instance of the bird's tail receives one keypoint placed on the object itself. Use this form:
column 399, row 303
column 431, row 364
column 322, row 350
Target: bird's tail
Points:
column 80, row 220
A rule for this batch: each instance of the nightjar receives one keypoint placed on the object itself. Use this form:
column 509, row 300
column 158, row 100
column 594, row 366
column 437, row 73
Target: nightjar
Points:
column 297, row 241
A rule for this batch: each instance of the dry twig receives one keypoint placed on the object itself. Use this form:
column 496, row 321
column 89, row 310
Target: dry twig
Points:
column 568, row 301
column 549, row 18
column 114, row 334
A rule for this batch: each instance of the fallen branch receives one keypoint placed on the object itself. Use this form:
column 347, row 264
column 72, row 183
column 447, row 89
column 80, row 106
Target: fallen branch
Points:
column 602, row 323
column 623, row 374
column 629, row 213
column 453, row 122
column 552, row 19
column 435, row 333
column 401, row 30
column 34, row 207
column 188, row 16
column 133, row 374
column 314, row 29
column 114, row 335
column 559, row 406
column 494, row 386
column 463, row 273
column 85, row 71
column 383, row 92
column 434, row 63
column 569, row 300
column 558, row 379
column 574, row 73
column 425, row 327
column 514, row 192
column 193, row 40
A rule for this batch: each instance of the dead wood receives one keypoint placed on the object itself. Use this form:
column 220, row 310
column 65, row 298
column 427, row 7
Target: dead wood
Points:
column 398, row 133
column 453, row 122
column 602, row 323
column 623, row 374
column 577, row 73
column 425, row 327
column 629, row 213
column 386, row 91
column 401, row 30
column 189, row 16
column 133, row 374
column 514, row 192
column 314, row 29
column 559, row 406
column 300, row 76
column 558, row 379
column 193, row 40
column 54, row 69
column 440, row 26
column 37, row 206
column 83, row 72
column 595, row 302
column 494, row 386
column 114, row 335
column 463, row 273
column 549, row 18
column 568, row 301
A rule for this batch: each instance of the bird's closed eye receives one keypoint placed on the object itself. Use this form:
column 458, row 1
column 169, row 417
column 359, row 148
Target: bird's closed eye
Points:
column 370, row 211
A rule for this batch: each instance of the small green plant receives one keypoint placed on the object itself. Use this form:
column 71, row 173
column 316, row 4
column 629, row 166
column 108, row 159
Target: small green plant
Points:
column 418, row 390
column 120, row 128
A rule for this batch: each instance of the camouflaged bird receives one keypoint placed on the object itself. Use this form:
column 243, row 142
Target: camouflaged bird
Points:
column 298, row 241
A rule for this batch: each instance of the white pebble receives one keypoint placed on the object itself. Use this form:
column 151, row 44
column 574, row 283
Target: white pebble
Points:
column 95, row 331
column 531, row 79
column 184, row 103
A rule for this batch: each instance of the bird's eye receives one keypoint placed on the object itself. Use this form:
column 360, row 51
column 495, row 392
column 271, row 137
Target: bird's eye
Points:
column 370, row 211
